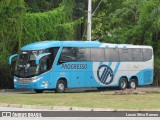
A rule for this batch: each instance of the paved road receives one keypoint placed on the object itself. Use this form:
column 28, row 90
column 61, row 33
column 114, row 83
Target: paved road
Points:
column 82, row 90
column 68, row 118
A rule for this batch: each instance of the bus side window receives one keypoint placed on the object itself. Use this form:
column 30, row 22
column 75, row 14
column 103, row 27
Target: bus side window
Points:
column 137, row 54
column 125, row 54
column 80, row 54
column 68, row 55
column 114, row 54
column 83, row 54
column 147, row 54
column 107, row 55
column 97, row 54
column 87, row 55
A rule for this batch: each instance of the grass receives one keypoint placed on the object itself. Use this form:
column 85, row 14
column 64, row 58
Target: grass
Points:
column 86, row 99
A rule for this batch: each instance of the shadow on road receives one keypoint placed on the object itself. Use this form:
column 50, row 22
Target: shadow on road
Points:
column 81, row 90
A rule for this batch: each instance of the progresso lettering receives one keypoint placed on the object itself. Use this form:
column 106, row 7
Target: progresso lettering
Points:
column 74, row 66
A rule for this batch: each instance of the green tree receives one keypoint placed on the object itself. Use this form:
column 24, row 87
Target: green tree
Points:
column 56, row 24
column 130, row 21
column 41, row 5
column 11, row 25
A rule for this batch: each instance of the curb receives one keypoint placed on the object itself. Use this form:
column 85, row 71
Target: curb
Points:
column 4, row 105
column 61, row 108
column 81, row 109
column 15, row 105
column 69, row 108
column 37, row 107
column 104, row 109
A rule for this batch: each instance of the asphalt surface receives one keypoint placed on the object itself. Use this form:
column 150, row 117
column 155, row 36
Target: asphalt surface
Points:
column 81, row 90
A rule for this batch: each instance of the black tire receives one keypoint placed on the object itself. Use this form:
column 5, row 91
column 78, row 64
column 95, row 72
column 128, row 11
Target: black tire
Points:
column 123, row 84
column 38, row 91
column 133, row 84
column 61, row 86
column 101, row 88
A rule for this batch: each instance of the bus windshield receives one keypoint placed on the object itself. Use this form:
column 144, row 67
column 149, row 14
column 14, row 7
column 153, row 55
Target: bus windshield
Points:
column 25, row 65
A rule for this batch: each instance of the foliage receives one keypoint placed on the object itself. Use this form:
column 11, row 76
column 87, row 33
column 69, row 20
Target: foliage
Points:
column 54, row 24
column 19, row 27
column 41, row 5
column 115, row 21
column 11, row 25
column 59, row 25
column 129, row 21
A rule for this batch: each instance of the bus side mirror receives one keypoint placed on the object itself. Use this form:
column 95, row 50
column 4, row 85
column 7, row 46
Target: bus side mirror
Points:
column 11, row 57
column 40, row 56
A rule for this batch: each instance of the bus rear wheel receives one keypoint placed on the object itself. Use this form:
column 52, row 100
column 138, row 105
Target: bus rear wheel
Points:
column 132, row 84
column 38, row 91
column 61, row 86
column 123, row 83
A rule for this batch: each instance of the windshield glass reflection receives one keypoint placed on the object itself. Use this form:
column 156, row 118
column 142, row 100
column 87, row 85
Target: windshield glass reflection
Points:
column 25, row 66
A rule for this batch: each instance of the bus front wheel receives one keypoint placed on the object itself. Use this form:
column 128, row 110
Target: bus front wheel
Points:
column 123, row 83
column 61, row 86
column 132, row 84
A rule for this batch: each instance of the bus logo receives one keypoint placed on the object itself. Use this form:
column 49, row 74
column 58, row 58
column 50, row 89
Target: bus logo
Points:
column 105, row 74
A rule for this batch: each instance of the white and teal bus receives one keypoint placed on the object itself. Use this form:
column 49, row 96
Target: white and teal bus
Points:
column 57, row 65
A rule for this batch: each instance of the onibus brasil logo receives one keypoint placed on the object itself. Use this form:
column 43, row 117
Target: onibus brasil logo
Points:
column 105, row 74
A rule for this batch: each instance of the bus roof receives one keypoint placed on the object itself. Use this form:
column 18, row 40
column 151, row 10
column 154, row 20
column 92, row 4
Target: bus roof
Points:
column 48, row 44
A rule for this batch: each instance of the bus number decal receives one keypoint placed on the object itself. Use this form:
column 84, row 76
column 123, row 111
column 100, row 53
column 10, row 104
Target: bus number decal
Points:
column 106, row 76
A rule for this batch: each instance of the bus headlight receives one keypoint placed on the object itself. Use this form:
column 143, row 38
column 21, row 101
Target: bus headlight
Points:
column 15, row 80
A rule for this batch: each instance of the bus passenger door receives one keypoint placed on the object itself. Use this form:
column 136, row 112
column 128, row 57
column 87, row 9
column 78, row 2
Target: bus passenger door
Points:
column 46, row 73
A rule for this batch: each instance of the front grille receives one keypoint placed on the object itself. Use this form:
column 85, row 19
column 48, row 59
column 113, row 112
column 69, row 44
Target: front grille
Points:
column 24, row 80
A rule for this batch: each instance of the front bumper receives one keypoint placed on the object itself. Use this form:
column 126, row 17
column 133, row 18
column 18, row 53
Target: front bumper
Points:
column 28, row 83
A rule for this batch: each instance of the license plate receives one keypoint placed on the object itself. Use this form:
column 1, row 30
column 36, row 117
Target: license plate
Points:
column 23, row 86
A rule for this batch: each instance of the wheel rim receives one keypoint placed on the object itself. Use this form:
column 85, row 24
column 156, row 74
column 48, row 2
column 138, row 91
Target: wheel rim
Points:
column 61, row 87
column 123, row 84
column 133, row 85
